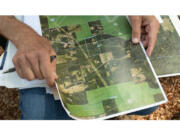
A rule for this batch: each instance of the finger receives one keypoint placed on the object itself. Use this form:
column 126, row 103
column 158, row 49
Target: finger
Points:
column 47, row 70
column 147, row 28
column 26, row 69
column 143, row 36
column 143, row 31
column 147, row 19
column 144, row 40
column 136, row 28
column 17, row 67
column 152, row 36
column 145, row 44
column 53, row 65
column 34, row 62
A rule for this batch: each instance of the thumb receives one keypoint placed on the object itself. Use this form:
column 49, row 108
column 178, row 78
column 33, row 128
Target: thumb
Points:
column 54, row 69
column 136, row 22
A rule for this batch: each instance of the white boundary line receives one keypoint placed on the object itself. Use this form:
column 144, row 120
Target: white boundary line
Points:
column 168, row 75
column 176, row 22
column 158, row 17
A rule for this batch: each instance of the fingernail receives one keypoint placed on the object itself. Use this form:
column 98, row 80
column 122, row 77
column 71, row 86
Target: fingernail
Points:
column 135, row 40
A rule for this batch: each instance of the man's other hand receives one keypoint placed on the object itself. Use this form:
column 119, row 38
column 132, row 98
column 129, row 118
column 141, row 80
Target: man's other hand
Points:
column 145, row 28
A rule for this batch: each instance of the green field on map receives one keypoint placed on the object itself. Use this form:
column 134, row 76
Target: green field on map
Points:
column 100, row 72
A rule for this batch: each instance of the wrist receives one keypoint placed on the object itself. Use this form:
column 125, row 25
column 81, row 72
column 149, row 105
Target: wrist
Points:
column 23, row 36
column 16, row 31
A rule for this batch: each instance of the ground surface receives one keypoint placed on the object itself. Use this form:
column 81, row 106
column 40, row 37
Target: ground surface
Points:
column 9, row 103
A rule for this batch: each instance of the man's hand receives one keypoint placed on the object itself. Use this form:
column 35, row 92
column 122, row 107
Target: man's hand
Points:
column 145, row 28
column 32, row 59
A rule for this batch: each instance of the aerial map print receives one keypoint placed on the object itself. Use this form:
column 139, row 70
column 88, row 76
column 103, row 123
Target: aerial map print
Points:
column 166, row 55
column 100, row 72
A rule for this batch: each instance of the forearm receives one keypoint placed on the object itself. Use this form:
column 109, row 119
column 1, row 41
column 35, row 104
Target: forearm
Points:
column 14, row 30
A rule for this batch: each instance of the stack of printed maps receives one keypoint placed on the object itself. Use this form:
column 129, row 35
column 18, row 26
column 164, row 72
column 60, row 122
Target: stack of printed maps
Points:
column 101, row 74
